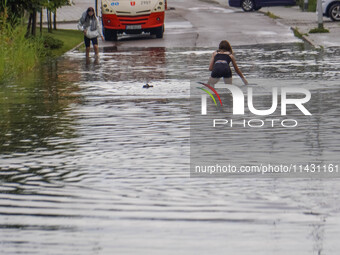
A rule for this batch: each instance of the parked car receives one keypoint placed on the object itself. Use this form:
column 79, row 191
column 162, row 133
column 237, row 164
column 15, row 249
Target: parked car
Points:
column 331, row 9
column 254, row 5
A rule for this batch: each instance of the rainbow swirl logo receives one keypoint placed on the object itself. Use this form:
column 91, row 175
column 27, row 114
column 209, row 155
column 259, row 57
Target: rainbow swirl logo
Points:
column 209, row 93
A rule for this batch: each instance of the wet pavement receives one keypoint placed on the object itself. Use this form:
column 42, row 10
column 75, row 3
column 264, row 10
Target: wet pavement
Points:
column 93, row 163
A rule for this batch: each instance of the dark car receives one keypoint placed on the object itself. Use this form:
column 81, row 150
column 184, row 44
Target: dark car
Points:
column 254, row 5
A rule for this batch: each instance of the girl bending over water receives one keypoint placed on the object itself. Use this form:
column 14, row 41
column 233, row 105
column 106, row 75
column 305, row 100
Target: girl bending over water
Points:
column 220, row 65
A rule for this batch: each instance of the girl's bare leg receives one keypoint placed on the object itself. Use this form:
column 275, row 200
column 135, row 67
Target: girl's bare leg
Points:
column 228, row 80
column 87, row 52
column 96, row 50
column 212, row 81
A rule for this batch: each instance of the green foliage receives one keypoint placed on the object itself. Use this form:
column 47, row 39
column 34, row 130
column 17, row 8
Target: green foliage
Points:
column 70, row 39
column 311, row 5
column 297, row 33
column 271, row 15
column 17, row 7
column 318, row 30
column 51, row 42
column 18, row 54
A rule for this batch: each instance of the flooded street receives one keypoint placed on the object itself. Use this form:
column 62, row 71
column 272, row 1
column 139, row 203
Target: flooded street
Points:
column 93, row 163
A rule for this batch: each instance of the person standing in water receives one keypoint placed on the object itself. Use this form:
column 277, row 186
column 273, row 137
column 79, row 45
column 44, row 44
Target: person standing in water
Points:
column 220, row 65
column 89, row 24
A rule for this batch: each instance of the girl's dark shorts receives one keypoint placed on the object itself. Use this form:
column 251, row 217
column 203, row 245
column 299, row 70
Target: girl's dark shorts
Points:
column 88, row 41
column 221, row 70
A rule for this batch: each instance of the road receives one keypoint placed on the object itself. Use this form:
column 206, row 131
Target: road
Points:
column 195, row 23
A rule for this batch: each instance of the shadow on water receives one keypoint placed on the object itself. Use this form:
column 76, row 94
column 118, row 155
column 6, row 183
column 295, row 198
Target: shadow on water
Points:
column 93, row 163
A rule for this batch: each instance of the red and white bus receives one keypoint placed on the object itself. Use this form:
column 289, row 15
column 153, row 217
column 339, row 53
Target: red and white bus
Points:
column 132, row 17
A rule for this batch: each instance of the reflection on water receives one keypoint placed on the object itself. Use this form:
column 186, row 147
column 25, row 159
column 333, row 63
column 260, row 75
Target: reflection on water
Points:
column 92, row 163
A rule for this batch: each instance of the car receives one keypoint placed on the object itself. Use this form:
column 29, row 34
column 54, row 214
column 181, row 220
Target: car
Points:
column 331, row 9
column 254, row 5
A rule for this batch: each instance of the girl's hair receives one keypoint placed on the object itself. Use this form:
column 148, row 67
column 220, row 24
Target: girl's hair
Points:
column 87, row 13
column 225, row 46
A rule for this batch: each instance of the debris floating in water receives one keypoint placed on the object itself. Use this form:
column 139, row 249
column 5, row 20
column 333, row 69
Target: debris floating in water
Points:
column 146, row 86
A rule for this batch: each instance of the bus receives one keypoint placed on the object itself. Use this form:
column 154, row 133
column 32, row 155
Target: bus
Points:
column 132, row 17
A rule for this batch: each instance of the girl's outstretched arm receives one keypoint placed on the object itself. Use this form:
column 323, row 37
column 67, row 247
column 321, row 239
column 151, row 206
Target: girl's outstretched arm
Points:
column 237, row 70
column 211, row 66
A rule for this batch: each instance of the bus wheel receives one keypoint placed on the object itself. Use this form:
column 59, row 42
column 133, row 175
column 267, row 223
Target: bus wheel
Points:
column 110, row 35
column 159, row 31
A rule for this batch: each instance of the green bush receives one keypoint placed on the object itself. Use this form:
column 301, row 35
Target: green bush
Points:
column 52, row 43
column 300, row 3
column 311, row 5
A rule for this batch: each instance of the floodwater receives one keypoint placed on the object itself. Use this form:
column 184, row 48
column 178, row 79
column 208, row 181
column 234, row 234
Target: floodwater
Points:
column 92, row 163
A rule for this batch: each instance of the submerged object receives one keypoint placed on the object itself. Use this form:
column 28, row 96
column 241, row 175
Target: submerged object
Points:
column 146, row 86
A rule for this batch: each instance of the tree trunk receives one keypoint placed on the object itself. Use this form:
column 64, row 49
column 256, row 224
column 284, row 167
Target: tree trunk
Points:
column 55, row 20
column 48, row 25
column 29, row 25
column 41, row 20
column 34, row 22
column 50, row 22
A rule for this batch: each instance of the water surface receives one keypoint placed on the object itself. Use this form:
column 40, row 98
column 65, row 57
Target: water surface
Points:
column 92, row 163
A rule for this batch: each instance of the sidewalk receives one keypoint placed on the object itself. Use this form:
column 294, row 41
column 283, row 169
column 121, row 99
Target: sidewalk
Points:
column 304, row 21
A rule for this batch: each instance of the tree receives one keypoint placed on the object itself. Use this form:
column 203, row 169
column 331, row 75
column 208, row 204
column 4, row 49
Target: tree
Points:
column 52, row 7
column 17, row 8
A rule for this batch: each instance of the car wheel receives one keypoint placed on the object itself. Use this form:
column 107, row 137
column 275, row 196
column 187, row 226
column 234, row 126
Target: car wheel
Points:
column 248, row 5
column 334, row 12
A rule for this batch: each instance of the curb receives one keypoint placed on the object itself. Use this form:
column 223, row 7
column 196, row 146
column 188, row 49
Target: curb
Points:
column 303, row 37
column 74, row 48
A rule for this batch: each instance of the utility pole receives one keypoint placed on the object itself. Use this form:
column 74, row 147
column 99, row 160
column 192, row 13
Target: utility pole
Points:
column 96, row 7
column 320, row 15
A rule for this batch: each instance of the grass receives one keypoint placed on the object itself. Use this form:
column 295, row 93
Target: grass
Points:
column 311, row 5
column 271, row 15
column 70, row 38
column 297, row 33
column 18, row 54
column 318, row 30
